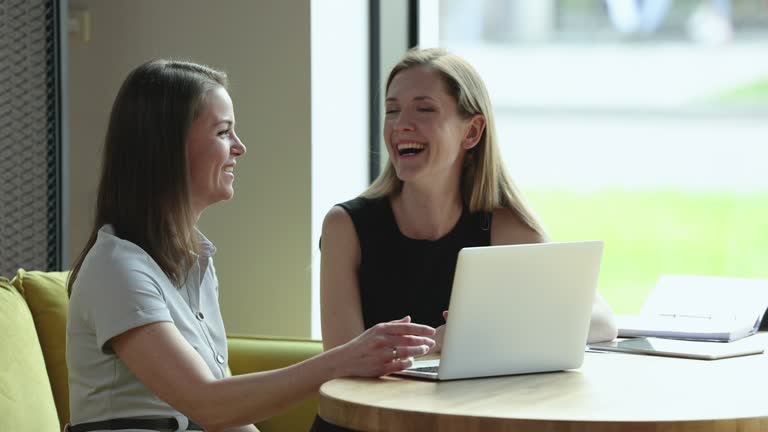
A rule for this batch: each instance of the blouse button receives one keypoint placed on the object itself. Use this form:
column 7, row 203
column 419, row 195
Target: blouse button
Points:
column 200, row 316
column 220, row 358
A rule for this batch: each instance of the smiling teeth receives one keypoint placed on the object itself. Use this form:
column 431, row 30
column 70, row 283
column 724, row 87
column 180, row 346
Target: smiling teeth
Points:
column 229, row 169
column 406, row 146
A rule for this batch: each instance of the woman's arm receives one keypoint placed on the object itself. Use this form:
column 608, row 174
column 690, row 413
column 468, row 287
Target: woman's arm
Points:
column 602, row 327
column 167, row 364
column 340, row 308
column 506, row 228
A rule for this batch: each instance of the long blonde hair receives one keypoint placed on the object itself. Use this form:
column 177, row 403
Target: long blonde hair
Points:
column 485, row 182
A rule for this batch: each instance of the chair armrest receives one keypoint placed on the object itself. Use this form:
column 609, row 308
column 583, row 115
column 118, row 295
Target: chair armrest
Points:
column 255, row 354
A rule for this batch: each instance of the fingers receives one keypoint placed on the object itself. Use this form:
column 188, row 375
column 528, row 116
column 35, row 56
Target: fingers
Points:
column 397, row 366
column 402, row 353
column 439, row 339
column 403, row 328
column 395, row 353
column 408, row 340
column 405, row 346
column 389, row 347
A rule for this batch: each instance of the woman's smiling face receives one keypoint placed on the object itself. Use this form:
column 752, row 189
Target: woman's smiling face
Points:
column 423, row 129
column 212, row 147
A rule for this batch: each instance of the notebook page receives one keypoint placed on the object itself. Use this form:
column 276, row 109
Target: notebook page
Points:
column 708, row 297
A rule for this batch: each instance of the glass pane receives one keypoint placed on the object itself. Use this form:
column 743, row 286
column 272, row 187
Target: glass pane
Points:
column 642, row 123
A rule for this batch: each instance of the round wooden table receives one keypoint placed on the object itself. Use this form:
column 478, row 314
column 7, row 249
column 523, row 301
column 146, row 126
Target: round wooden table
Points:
column 610, row 392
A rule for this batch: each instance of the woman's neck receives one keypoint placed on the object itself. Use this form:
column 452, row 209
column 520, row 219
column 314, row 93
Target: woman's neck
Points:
column 427, row 213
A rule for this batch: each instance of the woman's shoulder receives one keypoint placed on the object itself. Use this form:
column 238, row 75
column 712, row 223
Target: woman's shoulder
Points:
column 359, row 217
column 338, row 218
column 365, row 211
column 362, row 204
column 507, row 227
column 113, row 260
column 109, row 248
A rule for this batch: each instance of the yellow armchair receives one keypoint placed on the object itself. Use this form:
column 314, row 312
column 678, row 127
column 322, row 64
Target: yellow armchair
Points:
column 34, row 391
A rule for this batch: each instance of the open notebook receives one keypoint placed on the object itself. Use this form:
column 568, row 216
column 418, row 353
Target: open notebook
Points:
column 680, row 348
column 699, row 308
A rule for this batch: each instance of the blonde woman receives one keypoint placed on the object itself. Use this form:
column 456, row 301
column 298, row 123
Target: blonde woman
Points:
column 392, row 251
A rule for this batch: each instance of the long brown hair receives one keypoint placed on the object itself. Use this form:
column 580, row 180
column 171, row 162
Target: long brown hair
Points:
column 485, row 182
column 143, row 190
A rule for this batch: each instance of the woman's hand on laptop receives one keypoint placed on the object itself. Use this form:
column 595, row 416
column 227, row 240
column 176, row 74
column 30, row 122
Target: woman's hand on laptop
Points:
column 439, row 332
column 384, row 348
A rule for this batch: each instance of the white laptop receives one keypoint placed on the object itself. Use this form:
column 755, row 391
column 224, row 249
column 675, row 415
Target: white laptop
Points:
column 517, row 309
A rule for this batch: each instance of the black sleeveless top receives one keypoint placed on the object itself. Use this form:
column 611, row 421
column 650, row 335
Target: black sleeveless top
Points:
column 400, row 276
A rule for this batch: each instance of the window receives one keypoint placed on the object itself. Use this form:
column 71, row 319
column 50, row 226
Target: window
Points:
column 642, row 126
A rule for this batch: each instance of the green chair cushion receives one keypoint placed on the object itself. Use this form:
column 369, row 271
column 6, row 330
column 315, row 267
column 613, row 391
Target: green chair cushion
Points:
column 46, row 296
column 26, row 400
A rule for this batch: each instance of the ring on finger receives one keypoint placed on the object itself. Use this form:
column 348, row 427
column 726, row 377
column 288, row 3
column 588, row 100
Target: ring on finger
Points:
column 395, row 357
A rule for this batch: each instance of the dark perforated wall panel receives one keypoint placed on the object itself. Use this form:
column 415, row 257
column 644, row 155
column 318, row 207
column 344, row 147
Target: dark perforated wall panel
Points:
column 30, row 136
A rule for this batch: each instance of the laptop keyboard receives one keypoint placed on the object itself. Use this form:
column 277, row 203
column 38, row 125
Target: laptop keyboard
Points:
column 425, row 369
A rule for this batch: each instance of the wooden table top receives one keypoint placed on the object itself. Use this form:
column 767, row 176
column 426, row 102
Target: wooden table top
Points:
column 611, row 391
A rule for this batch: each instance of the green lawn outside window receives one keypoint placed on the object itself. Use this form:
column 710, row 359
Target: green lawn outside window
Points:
column 650, row 233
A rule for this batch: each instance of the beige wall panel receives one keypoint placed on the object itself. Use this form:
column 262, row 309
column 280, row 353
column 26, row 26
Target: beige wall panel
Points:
column 263, row 234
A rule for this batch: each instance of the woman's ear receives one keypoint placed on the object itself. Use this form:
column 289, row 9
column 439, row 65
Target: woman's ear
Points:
column 474, row 131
